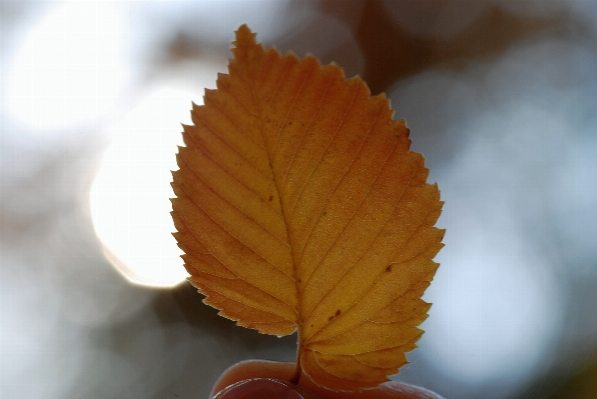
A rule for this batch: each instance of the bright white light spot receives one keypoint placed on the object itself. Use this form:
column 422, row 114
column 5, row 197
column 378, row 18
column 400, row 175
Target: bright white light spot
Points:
column 130, row 198
column 498, row 308
column 70, row 67
column 496, row 313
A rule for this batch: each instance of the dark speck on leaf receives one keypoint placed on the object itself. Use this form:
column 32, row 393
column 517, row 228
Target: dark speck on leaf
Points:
column 335, row 315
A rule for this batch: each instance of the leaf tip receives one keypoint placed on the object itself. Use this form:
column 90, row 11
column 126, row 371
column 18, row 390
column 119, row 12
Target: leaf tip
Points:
column 244, row 36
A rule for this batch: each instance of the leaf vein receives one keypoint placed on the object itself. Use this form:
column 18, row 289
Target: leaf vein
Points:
column 317, row 109
column 331, row 193
column 215, row 133
column 233, row 205
column 290, row 109
column 305, row 183
column 232, row 174
column 234, row 236
column 382, row 227
column 210, row 253
column 366, row 293
column 363, row 200
column 211, row 287
column 229, row 117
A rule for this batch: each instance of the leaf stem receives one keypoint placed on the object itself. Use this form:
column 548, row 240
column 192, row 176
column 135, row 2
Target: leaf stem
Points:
column 297, row 375
column 297, row 372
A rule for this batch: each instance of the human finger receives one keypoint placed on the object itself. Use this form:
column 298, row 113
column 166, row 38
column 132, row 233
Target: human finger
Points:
column 252, row 369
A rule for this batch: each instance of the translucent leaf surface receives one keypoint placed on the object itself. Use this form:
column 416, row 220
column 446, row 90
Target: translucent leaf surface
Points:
column 300, row 207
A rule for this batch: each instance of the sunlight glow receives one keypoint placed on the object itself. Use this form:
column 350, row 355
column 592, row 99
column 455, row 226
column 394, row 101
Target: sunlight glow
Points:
column 70, row 67
column 130, row 198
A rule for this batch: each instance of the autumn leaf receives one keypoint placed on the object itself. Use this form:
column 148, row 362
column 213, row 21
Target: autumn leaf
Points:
column 299, row 207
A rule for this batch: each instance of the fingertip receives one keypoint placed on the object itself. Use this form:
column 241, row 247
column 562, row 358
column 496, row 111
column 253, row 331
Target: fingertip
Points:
column 283, row 372
column 263, row 388
column 249, row 369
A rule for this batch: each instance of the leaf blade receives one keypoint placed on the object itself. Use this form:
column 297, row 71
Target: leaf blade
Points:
column 300, row 206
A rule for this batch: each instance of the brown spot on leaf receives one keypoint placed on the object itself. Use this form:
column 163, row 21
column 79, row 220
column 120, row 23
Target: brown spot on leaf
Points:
column 335, row 315
column 389, row 268
column 271, row 197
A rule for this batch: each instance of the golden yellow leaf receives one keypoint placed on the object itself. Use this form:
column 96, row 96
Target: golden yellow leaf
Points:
column 299, row 207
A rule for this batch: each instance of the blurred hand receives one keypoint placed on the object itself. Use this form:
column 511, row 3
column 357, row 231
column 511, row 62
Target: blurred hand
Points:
column 268, row 380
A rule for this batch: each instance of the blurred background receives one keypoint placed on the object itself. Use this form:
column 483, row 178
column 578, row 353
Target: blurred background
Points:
column 500, row 96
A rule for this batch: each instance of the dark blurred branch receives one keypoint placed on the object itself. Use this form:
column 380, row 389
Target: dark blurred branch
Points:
column 391, row 53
